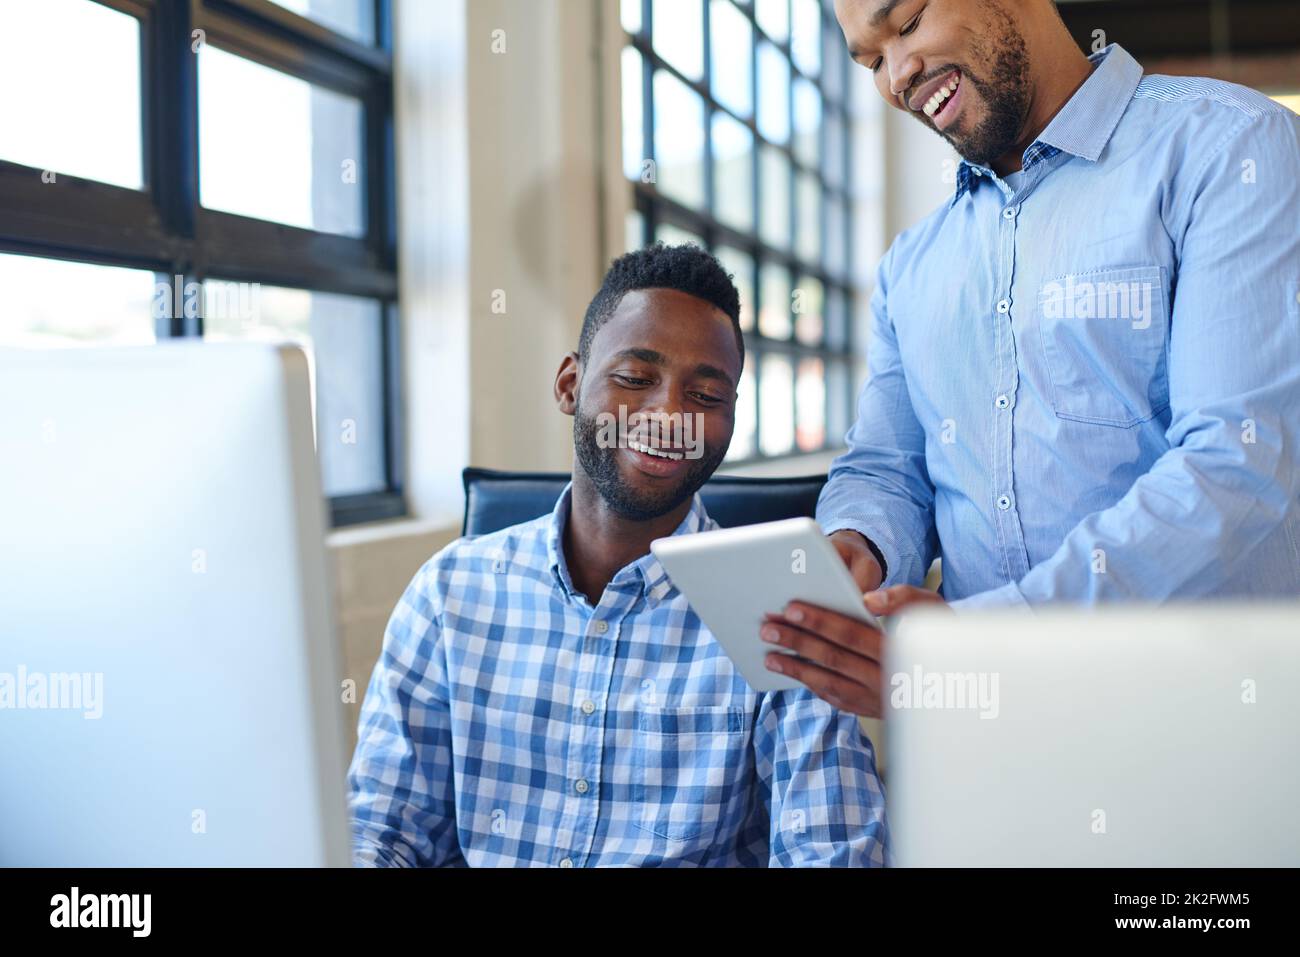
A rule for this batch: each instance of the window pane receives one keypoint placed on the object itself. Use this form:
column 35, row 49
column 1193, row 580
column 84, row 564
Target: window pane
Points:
column 773, row 93
column 774, row 194
column 773, row 17
column 679, row 140
column 776, row 405
column 807, row 122
column 342, row 338
column 810, row 405
column 806, row 36
column 808, row 233
column 633, row 121
column 741, row 268
column 838, row 402
column 774, row 305
column 674, row 235
column 274, row 147
column 743, row 438
column 832, row 75
column 630, row 14
column 634, row 230
column 679, row 35
column 834, row 150
column 71, row 74
column 733, row 172
column 352, row 18
column 837, row 320
column 733, row 56
column 807, row 307
column 836, row 251
column 53, row 302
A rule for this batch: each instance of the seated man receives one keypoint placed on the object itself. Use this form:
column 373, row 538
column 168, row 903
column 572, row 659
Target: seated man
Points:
column 545, row 696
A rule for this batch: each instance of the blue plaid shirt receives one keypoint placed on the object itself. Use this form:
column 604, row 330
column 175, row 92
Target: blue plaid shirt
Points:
column 509, row 722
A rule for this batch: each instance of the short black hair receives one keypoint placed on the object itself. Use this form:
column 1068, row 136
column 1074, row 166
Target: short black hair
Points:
column 686, row 268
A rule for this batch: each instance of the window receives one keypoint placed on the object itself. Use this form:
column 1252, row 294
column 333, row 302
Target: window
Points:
column 218, row 169
column 736, row 137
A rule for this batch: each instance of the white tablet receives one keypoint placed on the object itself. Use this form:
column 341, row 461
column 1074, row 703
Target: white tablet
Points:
column 734, row 576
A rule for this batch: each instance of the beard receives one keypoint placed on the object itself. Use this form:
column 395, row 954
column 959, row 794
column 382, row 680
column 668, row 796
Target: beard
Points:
column 1004, row 90
column 601, row 466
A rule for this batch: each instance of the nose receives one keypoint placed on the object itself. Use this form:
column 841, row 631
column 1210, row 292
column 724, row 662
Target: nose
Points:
column 663, row 403
column 903, row 71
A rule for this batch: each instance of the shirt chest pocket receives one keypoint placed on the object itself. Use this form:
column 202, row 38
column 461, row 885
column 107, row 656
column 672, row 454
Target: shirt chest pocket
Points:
column 690, row 762
column 1104, row 336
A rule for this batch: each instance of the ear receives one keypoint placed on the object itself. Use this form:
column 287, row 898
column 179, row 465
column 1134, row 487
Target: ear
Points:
column 566, row 384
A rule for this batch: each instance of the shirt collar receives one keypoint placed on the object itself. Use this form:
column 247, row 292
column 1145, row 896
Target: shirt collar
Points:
column 1085, row 124
column 652, row 579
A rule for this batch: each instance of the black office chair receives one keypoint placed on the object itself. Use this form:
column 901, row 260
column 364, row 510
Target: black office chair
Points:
column 496, row 500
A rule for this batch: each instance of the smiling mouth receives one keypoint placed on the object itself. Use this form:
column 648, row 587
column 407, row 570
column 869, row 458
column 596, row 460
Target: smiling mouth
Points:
column 656, row 452
column 942, row 97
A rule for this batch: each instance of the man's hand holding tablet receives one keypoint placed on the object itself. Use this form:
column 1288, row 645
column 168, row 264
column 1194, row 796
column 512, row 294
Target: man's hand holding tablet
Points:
column 840, row 658
column 786, row 584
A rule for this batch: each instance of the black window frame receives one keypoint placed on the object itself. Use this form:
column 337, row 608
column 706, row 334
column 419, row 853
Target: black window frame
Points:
column 164, row 228
column 655, row 208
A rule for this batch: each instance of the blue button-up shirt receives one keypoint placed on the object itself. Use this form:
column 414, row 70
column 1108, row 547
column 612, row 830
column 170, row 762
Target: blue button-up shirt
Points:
column 509, row 722
column 1088, row 387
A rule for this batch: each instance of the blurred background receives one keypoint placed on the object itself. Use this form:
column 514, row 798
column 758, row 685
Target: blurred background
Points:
column 426, row 193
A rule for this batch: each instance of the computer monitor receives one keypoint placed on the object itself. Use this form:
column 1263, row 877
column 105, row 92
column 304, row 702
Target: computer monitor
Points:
column 1121, row 736
column 169, row 669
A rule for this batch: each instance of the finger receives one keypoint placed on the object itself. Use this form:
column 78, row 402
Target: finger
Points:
column 849, row 633
column 886, row 600
column 824, row 653
column 832, row 688
column 877, row 602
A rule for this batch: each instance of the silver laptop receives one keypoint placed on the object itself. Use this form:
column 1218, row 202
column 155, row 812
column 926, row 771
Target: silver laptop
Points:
column 169, row 671
column 1121, row 736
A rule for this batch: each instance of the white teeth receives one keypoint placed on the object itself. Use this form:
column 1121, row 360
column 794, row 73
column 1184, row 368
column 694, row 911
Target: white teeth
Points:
column 648, row 450
column 933, row 103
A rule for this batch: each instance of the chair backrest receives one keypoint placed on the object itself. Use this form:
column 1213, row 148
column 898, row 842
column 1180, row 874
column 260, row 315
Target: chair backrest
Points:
column 496, row 500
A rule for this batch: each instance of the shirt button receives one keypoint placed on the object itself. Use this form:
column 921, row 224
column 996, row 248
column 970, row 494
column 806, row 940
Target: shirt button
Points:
column 581, row 786
column 588, row 706
column 1004, row 305
column 1009, row 212
column 567, row 862
column 1002, row 402
column 1004, row 502
column 498, row 566
column 602, row 626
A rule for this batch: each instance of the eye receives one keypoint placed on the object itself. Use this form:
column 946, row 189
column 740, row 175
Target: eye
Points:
column 910, row 26
column 706, row 398
column 631, row 380
column 876, row 66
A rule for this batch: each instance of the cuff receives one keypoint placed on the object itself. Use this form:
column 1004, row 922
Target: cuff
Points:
column 1008, row 595
column 892, row 566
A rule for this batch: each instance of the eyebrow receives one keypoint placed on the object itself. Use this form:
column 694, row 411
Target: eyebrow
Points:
column 876, row 19
column 703, row 370
column 883, row 11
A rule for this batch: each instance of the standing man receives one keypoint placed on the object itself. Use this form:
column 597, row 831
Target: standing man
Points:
column 1084, row 367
